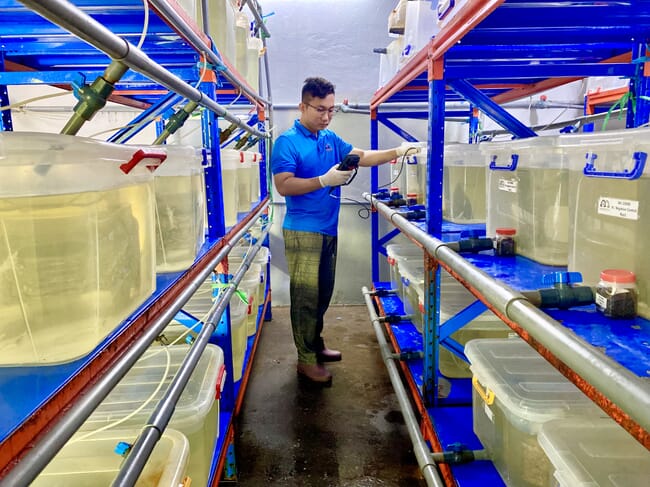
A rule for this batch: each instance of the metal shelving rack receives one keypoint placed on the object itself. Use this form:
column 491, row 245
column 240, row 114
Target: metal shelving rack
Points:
column 489, row 53
column 63, row 44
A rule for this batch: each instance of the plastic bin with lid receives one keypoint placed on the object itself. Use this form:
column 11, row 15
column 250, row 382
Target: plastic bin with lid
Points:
column 594, row 452
column 77, row 243
column 244, row 171
column 415, row 170
column 238, row 333
column 92, row 461
column 515, row 392
column 196, row 414
column 242, row 33
column 230, row 163
column 254, row 158
column 254, row 51
column 463, row 187
column 180, row 208
column 221, row 22
column 412, row 275
column 395, row 253
column 528, row 190
column 420, row 25
column 259, row 265
column 609, row 205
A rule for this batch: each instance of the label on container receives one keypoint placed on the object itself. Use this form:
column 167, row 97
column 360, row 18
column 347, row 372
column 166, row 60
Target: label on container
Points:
column 601, row 301
column 509, row 185
column 628, row 209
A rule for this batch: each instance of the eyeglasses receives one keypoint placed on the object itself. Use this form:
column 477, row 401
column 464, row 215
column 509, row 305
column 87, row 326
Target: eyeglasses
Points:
column 321, row 110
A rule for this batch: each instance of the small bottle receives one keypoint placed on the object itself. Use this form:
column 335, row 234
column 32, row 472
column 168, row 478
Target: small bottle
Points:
column 394, row 192
column 505, row 242
column 616, row 294
column 411, row 199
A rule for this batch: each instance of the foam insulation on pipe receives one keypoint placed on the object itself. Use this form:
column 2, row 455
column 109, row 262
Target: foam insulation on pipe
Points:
column 625, row 390
column 69, row 17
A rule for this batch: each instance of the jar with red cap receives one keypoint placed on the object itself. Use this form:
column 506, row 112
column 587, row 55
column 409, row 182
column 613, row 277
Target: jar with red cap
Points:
column 616, row 294
column 411, row 199
column 505, row 242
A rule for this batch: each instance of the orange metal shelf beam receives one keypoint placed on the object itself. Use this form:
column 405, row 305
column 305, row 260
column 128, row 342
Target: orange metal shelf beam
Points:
column 603, row 97
column 469, row 15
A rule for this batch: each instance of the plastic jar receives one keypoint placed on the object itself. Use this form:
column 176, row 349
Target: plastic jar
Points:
column 616, row 294
column 505, row 242
column 411, row 199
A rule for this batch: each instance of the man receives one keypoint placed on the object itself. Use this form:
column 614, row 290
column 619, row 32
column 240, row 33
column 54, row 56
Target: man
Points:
column 304, row 166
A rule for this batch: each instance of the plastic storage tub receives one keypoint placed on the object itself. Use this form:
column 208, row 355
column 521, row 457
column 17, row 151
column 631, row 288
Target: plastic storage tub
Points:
column 93, row 462
column 221, row 22
column 412, row 275
column 255, row 159
column 610, row 206
column 238, row 334
column 528, row 189
column 515, row 392
column 463, row 187
column 230, row 162
column 594, row 452
column 244, row 171
column 254, row 51
column 196, row 414
column 77, row 243
column 419, row 27
column 415, row 168
column 180, row 209
column 396, row 253
column 242, row 33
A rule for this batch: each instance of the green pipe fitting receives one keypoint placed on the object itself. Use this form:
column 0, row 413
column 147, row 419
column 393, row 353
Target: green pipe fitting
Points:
column 176, row 121
column 93, row 98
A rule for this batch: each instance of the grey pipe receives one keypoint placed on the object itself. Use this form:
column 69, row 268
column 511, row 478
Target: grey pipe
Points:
column 195, row 40
column 37, row 458
column 420, row 448
column 255, row 10
column 269, row 115
column 132, row 467
column 625, row 389
column 69, row 17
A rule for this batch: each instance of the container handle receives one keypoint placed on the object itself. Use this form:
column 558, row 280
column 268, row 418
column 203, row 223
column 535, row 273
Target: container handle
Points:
column 514, row 160
column 221, row 379
column 487, row 395
column 152, row 159
column 187, row 482
column 639, row 159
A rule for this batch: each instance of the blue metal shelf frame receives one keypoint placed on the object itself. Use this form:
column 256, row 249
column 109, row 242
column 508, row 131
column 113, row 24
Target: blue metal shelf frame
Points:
column 35, row 51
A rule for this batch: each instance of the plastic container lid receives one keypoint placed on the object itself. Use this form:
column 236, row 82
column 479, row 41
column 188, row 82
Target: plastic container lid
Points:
column 619, row 276
column 231, row 159
column 404, row 251
column 182, row 160
column 594, row 452
column 506, row 231
column 463, row 155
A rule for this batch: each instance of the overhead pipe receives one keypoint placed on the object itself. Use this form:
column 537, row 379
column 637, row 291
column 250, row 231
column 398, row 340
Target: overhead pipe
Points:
column 167, row 11
column 139, row 454
column 36, row 459
column 175, row 122
column 420, row 448
column 625, row 390
column 69, row 17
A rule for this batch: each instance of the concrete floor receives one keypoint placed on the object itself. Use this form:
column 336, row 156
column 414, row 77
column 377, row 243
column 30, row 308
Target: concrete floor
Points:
column 352, row 434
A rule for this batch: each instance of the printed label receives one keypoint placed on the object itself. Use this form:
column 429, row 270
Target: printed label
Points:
column 628, row 209
column 601, row 301
column 488, row 412
column 509, row 185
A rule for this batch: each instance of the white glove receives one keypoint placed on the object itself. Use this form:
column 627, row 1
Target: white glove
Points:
column 408, row 149
column 334, row 177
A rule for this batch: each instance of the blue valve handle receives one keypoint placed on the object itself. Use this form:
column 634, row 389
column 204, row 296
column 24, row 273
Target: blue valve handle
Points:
column 639, row 159
column 123, row 448
column 514, row 160
column 562, row 278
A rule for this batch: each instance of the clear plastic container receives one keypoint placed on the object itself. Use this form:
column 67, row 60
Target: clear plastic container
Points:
column 515, row 392
column 77, row 243
column 244, row 177
column 389, row 62
column 447, row 10
column 419, row 27
column 616, row 295
column 397, row 18
column 609, row 205
column 239, row 334
column 221, row 22
column 412, row 272
column 189, row 7
column 506, row 243
column 463, row 187
column 254, row 158
column 396, row 253
column 242, row 33
column 230, row 164
column 180, row 209
column 196, row 414
column 528, row 189
column 255, row 47
column 93, row 461
column 594, row 452
column 415, row 169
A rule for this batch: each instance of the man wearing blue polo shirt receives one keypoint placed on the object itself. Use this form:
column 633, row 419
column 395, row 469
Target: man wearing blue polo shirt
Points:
column 303, row 163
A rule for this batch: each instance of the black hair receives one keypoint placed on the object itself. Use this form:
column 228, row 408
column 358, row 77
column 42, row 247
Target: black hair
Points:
column 316, row 88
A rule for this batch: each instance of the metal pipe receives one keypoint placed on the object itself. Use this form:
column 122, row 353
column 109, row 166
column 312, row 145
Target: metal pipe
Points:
column 420, row 448
column 255, row 10
column 269, row 115
column 69, row 17
column 37, row 458
column 616, row 383
column 167, row 11
column 132, row 467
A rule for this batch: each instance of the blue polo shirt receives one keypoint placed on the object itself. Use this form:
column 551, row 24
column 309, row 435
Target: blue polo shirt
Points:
column 306, row 155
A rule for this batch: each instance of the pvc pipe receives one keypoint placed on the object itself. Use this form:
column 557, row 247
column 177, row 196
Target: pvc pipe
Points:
column 49, row 444
column 420, row 448
column 623, row 388
column 132, row 467
column 254, row 8
column 69, row 17
column 197, row 42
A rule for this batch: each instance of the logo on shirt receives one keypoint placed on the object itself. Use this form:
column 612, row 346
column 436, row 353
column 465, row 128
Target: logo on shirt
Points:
column 328, row 147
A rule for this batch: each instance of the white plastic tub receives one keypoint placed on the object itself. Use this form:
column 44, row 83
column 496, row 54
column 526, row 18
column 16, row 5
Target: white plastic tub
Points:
column 397, row 253
column 528, row 189
column 254, row 158
column 594, row 452
column 610, row 205
column 515, row 392
column 419, row 27
column 238, row 334
column 180, row 209
column 464, row 182
column 77, row 243
column 196, row 414
column 93, row 461
column 230, row 162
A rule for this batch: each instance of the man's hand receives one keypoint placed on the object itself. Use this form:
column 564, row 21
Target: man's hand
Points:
column 408, row 149
column 334, row 177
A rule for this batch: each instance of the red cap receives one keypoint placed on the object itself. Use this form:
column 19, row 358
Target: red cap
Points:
column 618, row 275
column 411, row 195
column 506, row 231
column 394, row 188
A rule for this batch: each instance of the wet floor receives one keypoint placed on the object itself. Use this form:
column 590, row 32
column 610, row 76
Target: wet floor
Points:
column 352, row 434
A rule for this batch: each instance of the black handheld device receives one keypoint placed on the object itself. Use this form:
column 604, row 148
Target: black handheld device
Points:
column 349, row 162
